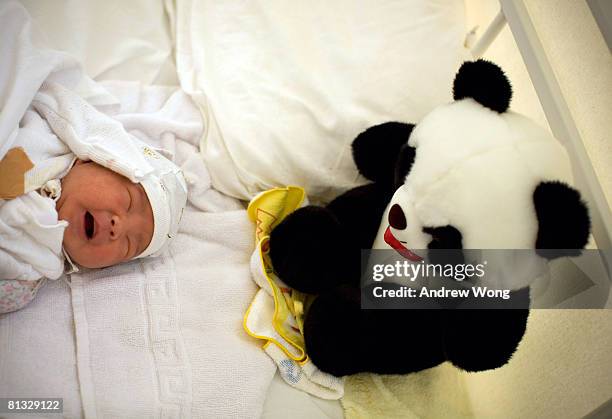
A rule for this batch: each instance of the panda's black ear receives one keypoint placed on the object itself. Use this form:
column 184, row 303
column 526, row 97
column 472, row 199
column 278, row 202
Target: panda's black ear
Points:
column 375, row 150
column 484, row 82
column 563, row 220
column 403, row 164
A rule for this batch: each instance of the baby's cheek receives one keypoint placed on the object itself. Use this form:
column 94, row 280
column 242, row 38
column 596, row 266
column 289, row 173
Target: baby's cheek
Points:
column 112, row 254
column 72, row 245
column 125, row 250
column 90, row 256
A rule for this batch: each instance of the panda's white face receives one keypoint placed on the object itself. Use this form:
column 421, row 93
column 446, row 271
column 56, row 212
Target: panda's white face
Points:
column 401, row 229
column 475, row 171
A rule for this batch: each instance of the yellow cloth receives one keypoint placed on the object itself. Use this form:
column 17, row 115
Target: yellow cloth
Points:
column 267, row 210
column 276, row 314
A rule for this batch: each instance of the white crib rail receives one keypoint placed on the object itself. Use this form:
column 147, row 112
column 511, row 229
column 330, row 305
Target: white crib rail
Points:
column 557, row 113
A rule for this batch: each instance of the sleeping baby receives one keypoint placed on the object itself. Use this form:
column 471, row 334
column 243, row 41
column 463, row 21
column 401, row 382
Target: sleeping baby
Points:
column 88, row 195
column 76, row 189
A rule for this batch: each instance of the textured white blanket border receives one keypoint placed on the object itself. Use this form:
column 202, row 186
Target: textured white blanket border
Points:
column 172, row 367
column 86, row 387
column 171, row 359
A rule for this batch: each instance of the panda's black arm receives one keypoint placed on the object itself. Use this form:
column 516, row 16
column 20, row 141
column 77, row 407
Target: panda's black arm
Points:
column 317, row 248
column 360, row 211
column 310, row 251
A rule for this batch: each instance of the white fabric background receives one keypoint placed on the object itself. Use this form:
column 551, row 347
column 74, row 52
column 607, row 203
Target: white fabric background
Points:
column 113, row 39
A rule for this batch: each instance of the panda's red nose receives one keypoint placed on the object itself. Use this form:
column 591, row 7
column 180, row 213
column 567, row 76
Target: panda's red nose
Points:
column 397, row 219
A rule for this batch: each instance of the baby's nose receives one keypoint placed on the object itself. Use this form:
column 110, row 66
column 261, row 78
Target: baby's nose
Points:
column 116, row 227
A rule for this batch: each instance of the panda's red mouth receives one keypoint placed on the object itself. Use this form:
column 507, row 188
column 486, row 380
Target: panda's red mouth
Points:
column 399, row 247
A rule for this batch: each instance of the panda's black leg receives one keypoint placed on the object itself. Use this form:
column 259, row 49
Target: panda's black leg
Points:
column 342, row 339
column 484, row 339
column 311, row 253
column 333, row 334
column 359, row 211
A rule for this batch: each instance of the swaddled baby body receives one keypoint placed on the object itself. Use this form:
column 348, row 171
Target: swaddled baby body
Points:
column 110, row 220
column 107, row 219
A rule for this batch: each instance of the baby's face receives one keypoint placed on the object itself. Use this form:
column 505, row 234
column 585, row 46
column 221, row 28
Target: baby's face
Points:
column 110, row 218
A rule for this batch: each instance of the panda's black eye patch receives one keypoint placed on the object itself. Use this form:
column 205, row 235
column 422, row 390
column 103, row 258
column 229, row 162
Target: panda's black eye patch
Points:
column 397, row 219
column 445, row 245
column 445, row 237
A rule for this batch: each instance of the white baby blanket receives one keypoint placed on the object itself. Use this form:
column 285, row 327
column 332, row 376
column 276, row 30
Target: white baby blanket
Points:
column 171, row 342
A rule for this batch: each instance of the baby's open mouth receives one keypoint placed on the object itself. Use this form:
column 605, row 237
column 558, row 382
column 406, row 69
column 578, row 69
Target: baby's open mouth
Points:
column 89, row 225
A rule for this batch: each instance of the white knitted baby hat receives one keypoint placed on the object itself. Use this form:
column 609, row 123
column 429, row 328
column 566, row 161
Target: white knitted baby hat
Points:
column 167, row 192
column 92, row 135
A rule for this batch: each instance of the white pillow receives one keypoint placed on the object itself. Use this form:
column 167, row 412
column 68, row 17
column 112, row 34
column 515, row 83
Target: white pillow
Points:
column 287, row 86
column 113, row 39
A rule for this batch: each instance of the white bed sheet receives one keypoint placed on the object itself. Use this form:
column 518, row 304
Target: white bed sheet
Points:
column 284, row 401
column 50, row 350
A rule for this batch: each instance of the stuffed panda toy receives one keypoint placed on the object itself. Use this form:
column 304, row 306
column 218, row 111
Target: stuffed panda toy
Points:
column 470, row 175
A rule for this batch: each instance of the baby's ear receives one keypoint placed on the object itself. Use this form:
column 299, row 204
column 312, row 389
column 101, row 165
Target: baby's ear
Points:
column 79, row 162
